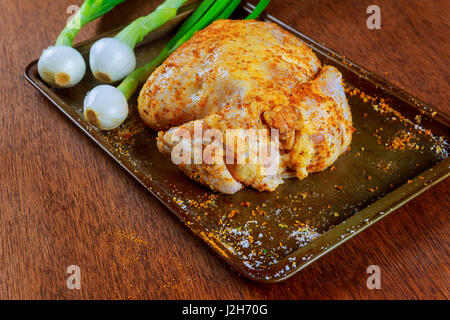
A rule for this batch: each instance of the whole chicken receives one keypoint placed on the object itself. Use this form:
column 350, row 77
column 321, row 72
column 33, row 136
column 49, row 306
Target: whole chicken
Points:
column 233, row 79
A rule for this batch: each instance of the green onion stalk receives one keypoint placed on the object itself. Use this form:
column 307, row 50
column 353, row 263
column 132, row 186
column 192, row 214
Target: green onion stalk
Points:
column 105, row 98
column 112, row 59
column 62, row 66
column 258, row 9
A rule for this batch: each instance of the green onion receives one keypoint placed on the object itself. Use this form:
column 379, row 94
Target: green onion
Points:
column 206, row 20
column 135, row 32
column 258, row 9
column 191, row 21
column 112, row 59
column 62, row 66
column 89, row 11
column 229, row 10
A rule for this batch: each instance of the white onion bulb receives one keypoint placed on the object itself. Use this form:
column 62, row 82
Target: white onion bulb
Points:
column 111, row 60
column 105, row 107
column 61, row 66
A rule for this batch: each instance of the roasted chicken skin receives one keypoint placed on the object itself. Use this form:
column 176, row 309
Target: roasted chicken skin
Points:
column 249, row 75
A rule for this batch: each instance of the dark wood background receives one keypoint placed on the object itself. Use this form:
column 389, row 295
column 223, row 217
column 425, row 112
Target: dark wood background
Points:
column 64, row 202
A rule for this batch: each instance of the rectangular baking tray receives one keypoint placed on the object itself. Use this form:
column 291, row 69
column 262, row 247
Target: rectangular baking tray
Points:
column 399, row 150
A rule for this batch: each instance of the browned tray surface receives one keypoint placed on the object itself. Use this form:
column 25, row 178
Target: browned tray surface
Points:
column 399, row 150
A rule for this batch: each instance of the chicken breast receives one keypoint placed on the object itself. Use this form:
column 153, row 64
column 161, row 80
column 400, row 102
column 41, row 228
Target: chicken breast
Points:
column 233, row 79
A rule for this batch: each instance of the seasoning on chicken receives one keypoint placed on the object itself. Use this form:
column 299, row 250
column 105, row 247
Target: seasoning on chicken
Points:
column 249, row 75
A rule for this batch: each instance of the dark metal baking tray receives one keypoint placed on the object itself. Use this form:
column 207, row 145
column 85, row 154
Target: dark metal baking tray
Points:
column 399, row 150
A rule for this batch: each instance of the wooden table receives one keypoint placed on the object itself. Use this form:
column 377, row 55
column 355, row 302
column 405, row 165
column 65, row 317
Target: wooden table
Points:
column 64, row 202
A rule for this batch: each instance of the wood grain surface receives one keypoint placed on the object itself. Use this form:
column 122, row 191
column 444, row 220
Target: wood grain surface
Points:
column 65, row 202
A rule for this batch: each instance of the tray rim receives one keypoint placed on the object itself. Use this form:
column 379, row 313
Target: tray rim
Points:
column 385, row 205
